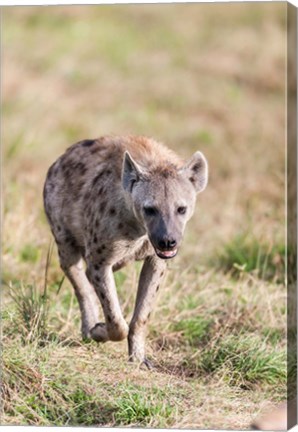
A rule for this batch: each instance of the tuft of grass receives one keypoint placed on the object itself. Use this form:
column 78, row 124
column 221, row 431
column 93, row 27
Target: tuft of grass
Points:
column 244, row 360
column 194, row 330
column 273, row 335
column 32, row 311
column 245, row 253
column 140, row 407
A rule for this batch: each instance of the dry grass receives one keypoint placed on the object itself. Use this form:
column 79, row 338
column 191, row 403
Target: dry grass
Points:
column 196, row 76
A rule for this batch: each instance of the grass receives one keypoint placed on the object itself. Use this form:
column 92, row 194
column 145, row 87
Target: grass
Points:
column 31, row 311
column 193, row 330
column 137, row 407
column 217, row 337
column 245, row 360
column 244, row 253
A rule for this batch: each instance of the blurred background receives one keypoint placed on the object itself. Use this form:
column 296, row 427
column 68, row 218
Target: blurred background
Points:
column 208, row 77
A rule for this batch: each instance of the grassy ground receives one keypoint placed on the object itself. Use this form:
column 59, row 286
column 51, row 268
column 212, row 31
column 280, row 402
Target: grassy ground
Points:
column 208, row 77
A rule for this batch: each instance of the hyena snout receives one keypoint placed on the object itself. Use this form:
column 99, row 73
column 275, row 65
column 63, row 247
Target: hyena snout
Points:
column 167, row 243
column 166, row 246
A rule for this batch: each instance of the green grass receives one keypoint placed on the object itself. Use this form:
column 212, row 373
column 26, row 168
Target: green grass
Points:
column 246, row 253
column 245, row 360
column 194, row 330
column 141, row 407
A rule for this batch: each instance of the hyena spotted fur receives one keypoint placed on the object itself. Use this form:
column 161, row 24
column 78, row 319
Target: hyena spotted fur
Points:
column 110, row 201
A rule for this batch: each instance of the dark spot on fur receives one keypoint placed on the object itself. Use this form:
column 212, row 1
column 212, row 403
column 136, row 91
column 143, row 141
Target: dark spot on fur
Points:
column 112, row 211
column 157, row 288
column 67, row 174
column 87, row 143
column 87, row 196
column 79, row 166
column 101, row 190
column 191, row 179
column 96, row 267
column 162, row 273
column 102, row 295
column 64, row 165
column 58, row 227
column 95, row 239
column 96, row 278
column 89, row 212
column 79, row 187
column 120, row 225
column 109, row 318
column 103, row 247
column 97, row 223
column 102, row 206
column 108, row 172
column 99, row 250
column 97, row 178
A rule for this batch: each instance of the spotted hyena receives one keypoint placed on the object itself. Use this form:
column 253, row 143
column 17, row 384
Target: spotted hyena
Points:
column 110, row 201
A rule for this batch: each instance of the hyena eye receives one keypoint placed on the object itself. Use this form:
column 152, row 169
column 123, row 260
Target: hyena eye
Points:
column 150, row 211
column 181, row 210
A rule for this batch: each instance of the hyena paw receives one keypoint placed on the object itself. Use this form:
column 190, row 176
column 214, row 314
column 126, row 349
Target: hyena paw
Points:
column 118, row 331
column 147, row 364
column 142, row 364
column 99, row 333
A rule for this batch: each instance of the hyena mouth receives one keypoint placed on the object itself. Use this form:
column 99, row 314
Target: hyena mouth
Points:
column 167, row 254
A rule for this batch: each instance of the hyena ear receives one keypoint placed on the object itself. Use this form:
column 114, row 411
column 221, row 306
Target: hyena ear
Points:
column 196, row 171
column 131, row 172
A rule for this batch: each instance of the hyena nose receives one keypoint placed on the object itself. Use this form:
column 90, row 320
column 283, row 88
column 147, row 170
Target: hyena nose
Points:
column 167, row 244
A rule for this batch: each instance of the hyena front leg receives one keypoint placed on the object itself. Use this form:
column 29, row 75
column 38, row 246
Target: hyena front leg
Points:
column 151, row 275
column 115, row 327
column 73, row 267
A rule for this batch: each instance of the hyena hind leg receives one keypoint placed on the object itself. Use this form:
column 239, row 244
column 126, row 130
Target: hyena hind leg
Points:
column 73, row 266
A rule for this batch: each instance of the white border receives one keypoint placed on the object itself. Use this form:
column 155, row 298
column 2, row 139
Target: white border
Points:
column 97, row 2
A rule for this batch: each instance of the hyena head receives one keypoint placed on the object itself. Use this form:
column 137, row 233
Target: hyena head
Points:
column 163, row 199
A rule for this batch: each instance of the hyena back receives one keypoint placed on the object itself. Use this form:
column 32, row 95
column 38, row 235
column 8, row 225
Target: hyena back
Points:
column 110, row 201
